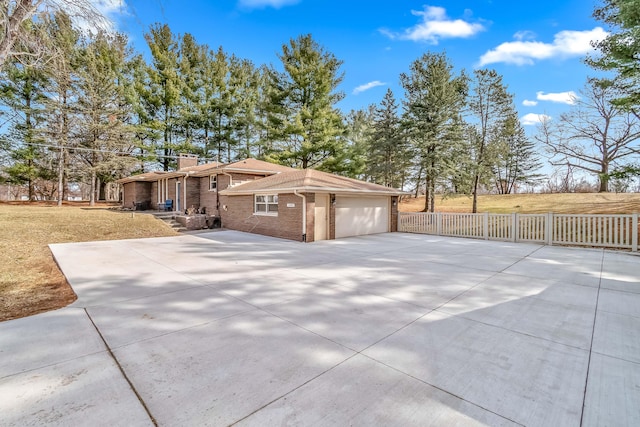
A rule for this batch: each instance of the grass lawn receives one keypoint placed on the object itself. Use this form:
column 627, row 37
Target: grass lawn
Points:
column 30, row 281
column 598, row 203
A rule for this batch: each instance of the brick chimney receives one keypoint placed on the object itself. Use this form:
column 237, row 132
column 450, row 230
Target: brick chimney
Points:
column 186, row 160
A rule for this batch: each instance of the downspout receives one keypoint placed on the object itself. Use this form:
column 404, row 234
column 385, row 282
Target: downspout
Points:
column 217, row 196
column 184, row 191
column 304, row 214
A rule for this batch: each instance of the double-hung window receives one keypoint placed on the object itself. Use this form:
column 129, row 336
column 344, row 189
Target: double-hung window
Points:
column 213, row 182
column 266, row 204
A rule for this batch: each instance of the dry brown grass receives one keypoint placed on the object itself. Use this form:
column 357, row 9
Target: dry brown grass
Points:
column 600, row 203
column 30, row 281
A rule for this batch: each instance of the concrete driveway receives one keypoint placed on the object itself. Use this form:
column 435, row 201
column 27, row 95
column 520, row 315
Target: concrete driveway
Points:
column 394, row 329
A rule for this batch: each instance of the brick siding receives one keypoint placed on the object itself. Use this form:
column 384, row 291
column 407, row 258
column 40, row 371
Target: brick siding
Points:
column 136, row 192
column 239, row 216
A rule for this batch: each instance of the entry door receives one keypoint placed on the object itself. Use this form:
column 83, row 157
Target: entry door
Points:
column 178, row 197
column 321, row 217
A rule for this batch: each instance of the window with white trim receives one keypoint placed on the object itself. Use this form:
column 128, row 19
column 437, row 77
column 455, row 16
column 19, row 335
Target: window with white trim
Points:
column 213, row 182
column 266, row 204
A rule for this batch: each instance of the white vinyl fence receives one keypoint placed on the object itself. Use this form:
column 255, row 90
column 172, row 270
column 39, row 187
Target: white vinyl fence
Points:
column 612, row 231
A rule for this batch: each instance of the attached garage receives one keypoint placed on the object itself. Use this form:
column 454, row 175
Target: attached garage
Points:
column 357, row 216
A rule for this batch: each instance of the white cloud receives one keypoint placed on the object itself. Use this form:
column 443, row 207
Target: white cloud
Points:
column 528, row 103
column 532, row 119
column 436, row 25
column 565, row 44
column 569, row 97
column 108, row 14
column 368, row 86
column 260, row 4
column 110, row 7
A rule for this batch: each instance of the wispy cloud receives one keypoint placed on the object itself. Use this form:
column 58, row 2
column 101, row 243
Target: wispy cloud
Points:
column 529, row 103
column 368, row 86
column 109, row 13
column 532, row 119
column 524, row 52
column 435, row 25
column 569, row 97
column 261, row 4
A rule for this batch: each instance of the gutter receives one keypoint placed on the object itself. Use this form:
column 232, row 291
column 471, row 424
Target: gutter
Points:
column 304, row 214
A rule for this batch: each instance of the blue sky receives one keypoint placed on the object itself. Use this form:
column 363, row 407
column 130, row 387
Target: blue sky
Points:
column 538, row 47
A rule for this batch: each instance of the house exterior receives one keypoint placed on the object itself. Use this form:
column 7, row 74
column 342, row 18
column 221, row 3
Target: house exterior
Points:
column 264, row 198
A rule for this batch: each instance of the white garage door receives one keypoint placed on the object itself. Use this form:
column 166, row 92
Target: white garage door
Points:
column 356, row 216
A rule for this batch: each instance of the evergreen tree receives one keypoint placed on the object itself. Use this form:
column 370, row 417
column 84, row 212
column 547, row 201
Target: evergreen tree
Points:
column 621, row 50
column 163, row 91
column 303, row 119
column 434, row 98
column 62, row 96
column 388, row 158
column 189, row 120
column 102, row 130
column 244, row 97
column 22, row 92
column 351, row 159
column 517, row 162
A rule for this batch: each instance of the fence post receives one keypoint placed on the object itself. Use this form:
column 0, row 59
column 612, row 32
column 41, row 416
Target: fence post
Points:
column 634, row 231
column 485, row 226
column 514, row 227
column 439, row 224
column 548, row 229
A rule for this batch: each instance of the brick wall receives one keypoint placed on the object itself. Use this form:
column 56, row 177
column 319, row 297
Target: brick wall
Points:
column 208, row 198
column 193, row 193
column 394, row 214
column 239, row 216
column 186, row 160
column 136, row 192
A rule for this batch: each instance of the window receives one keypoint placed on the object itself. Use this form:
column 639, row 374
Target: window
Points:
column 213, row 182
column 266, row 204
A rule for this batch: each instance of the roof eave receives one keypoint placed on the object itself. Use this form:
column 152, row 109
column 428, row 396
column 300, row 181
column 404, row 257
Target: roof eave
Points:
column 311, row 189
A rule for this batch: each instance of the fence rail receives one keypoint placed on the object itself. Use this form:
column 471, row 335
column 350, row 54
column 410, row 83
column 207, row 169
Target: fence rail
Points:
column 612, row 231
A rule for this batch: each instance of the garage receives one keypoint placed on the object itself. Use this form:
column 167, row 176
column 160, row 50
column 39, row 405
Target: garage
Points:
column 357, row 216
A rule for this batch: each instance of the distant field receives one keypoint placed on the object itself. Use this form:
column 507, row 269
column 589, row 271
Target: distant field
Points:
column 534, row 203
column 30, row 281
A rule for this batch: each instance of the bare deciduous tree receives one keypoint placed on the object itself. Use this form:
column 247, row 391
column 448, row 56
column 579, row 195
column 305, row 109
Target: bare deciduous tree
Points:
column 595, row 135
column 19, row 41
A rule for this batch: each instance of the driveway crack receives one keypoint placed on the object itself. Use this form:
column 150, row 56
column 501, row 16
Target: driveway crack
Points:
column 593, row 330
column 124, row 374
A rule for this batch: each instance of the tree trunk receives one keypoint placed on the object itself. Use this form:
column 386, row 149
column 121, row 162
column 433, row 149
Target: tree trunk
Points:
column 60, row 176
column 474, row 208
column 92, row 191
column 604, row 178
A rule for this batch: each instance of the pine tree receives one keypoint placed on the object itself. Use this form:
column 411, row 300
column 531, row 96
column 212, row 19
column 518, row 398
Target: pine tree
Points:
column 304, row 122
column 434, row 98
column 62, row 96
column 163, row 93
column 102, row 130
column 388, row 158
column 621, row 50
column 22, row 92
column 517, row 162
